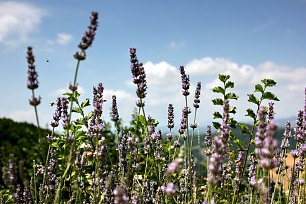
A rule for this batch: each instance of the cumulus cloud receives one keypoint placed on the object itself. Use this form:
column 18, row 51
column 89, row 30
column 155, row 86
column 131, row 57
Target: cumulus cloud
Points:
column 17, row 21
column 125, row 102
column 164, row 85
column 63, row 38
column 23, row 116
column 61, row 91
column 176, row 45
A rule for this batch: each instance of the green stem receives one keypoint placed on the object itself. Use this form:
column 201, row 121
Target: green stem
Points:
column 36, row 112
column 34, row 183
column 73, row 92
column 58, row 191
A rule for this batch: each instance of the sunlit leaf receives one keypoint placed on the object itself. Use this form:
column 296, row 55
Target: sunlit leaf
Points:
column 217, row 115
column 251, row 114
column 224, row 77
column 217, row 101
column 269, row 96
column 253, row 99
column 218, row 89
column 231, row 96
column 259, row 88
column 229, row 84
column 268, row 82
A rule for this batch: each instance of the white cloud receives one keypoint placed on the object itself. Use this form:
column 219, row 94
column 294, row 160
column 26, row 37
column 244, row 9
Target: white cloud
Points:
column 176, row 45
column 23, row 116
column 59, row 92
column 161, row 74
column 17, row 21
column 125, row 103
column 290, row 81
column 63, row 38
column 164, row 86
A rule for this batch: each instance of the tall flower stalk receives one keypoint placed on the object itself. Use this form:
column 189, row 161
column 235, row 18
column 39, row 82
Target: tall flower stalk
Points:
column 139, row 79
column 80, row 55
column 32, row 83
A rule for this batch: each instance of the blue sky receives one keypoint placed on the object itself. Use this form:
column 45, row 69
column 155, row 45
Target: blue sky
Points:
column 250, row 40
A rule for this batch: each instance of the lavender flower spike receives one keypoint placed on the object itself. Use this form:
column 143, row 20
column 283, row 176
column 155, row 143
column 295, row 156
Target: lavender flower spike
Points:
column 88, row 37
column 32, row 77
column 115, row 115
column 185, row 81
column 32, row 74
column 170, row 117
column 197, row 93
column 139, row 77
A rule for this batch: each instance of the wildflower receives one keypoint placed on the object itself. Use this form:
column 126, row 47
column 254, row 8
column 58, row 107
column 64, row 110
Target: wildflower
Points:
column 208, row 142
column 260, row 134
column 32, row 74
column 174, row 166
column 65, row 115
column 170, row 189
column 120, row 195
column 139, row 77
column 72, row 87
column 115, row 115
column 170, row 136
column 96, row 125
column 269, row 147
column 88, row 37
column 252, row 170
column 170, row 117
column 196, row 101
column 185, row 81
column 9, row 175
column 32, row 77
column 239, row 163
column 287, row 134
column 183, row 127
column 271, row 112
column 176, row 143
column 224, row 132
column 57, row 114
column 193, row 125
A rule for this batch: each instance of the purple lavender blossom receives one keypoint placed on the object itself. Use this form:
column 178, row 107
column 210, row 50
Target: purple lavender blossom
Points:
column 10, row 171
column 260, row 134
column 176, row 144
column 287, row 135
column 170, row 189
column 32, row 74
column 185, row 81
column 208, row 142
column 197, row 93
column 170, row 135
column 65, row 115
column 32, row 77
column 224, row 129
column 252, row 170
column 88, row 37
column 271, row 112
column 139, row 77
column 183, row 127
column 220, row 148
column 57, row 114
column 174, row 166
column 239, row 164
column 115, row 115
column 73, row 87
column 170, row 117
column 268, row 150
column 120, row 195
column 96, row 124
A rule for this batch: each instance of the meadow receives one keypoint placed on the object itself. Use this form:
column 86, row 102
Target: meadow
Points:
column 84, row 159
